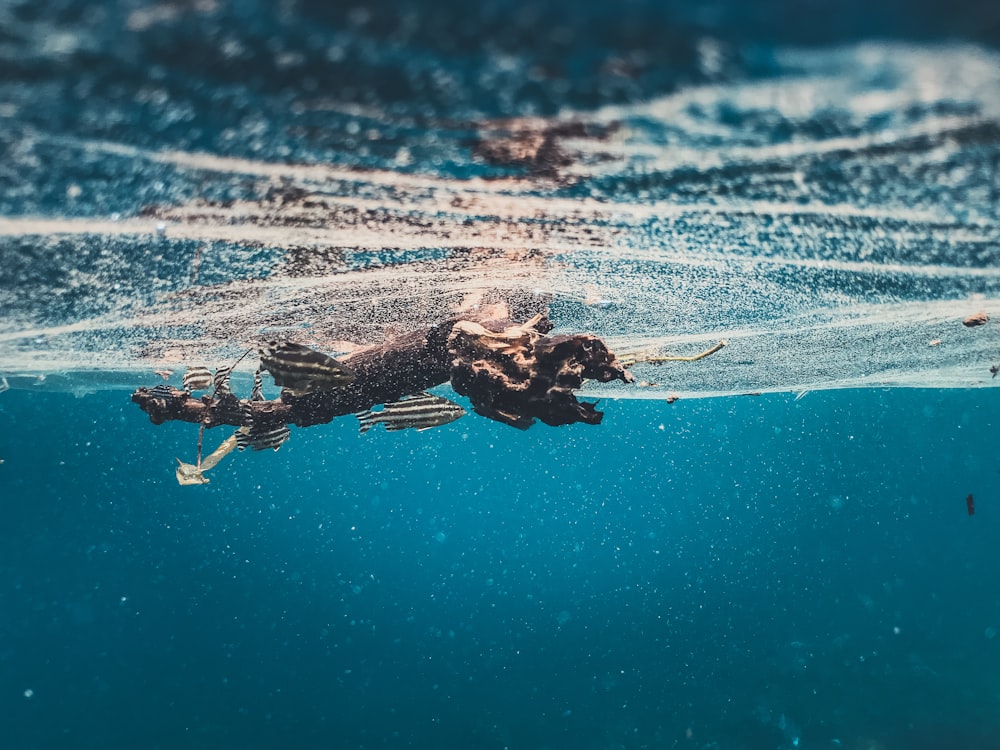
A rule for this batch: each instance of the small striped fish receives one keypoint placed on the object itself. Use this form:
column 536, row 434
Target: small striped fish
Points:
column 419, row 412
column 197, row 379
column 262, row 437
column 257, row 394
column 221, row 379
column 301, row 369
column 162, row 391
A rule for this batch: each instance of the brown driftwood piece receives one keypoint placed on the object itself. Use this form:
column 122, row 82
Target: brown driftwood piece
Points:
column 164, row 404
column 518, row 375
column 409, row 364
column 522, row 358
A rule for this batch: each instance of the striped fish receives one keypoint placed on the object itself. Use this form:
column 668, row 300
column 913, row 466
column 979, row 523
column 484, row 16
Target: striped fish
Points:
column 162, row 391
column 221, row 379
column 419, row 412
column 247, row 411
column 301, row 369
column 262, row 437
column 197, row 379
column 257, row 394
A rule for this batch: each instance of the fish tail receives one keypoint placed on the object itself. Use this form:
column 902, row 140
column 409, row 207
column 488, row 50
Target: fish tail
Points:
column 365, row 421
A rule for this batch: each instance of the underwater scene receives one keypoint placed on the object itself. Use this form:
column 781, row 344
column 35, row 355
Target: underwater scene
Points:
column 522, row 374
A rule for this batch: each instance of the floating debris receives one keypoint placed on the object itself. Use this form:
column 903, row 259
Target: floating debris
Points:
column 165, row 374
column 189, row 474
column 518, row 375
column 195, row 474
column 979, row 319
column 995, row 369
column 302, row 370
column 514, row 374
column 934, row 342
column 630, row 359
column 4, row 385
column 970, row 505
column 197, row 379
column 419, row 412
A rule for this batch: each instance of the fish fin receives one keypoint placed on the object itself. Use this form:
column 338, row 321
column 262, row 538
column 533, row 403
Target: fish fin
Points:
column 424, row 395
column 433, row 426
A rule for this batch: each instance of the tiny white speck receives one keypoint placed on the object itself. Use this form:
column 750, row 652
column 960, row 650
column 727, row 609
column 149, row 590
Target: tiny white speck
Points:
column 29, row 693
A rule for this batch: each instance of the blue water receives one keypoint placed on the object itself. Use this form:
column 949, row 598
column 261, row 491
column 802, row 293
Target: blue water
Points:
column 818, row 182
column 721, row 573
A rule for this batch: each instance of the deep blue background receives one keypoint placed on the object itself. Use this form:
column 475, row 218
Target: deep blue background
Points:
column 748, row 569
column 744, row 572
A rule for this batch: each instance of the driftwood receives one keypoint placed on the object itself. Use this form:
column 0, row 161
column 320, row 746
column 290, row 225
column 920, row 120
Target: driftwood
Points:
column 511, row 373
column 519, row 374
